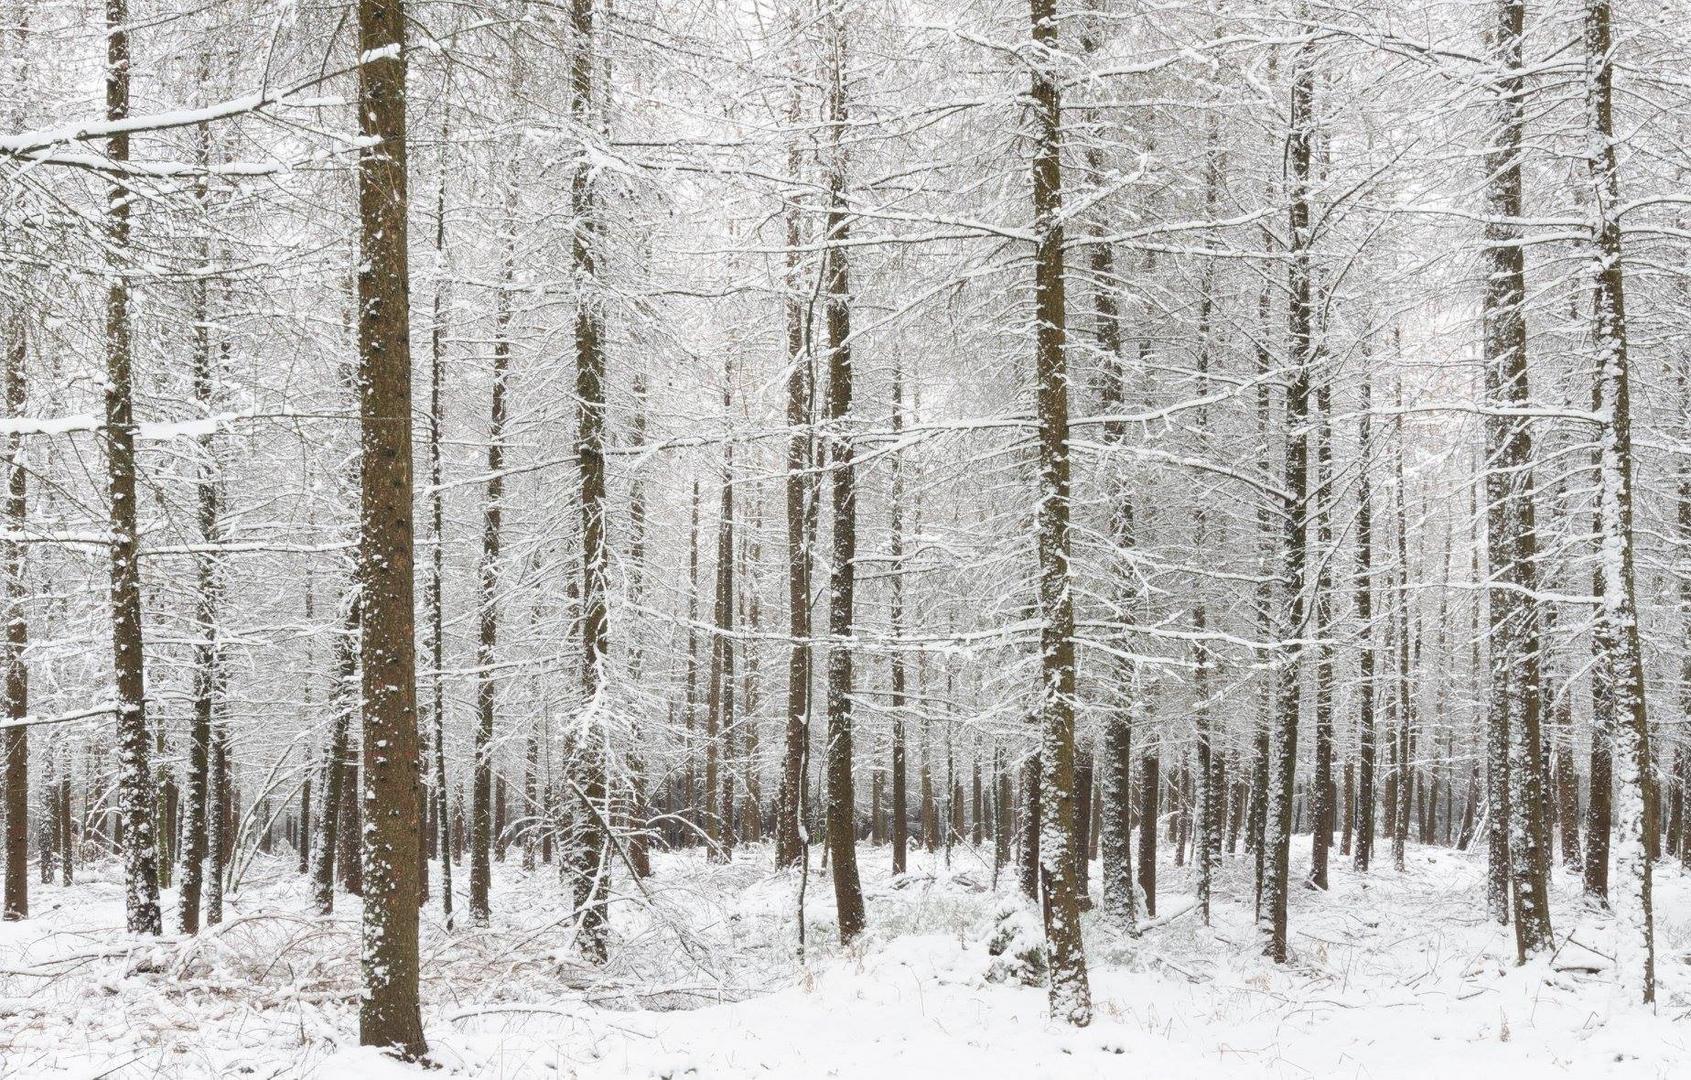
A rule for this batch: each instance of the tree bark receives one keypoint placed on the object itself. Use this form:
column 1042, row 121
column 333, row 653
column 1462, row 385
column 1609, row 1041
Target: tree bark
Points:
column 135, row 794
column 1282, row 758
column 436, row 596
column 791, row 839
column 16, row 903
column 1363, row 846
column 1514, row 746
column 1070, row 995
column 487, row 600
column 842, row 583
column 1616, row 627
column 592, row 880
column 392, row 808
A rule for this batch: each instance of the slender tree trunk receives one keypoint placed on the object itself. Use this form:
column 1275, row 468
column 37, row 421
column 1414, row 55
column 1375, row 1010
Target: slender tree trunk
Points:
column 1406, row 626
column 1363, row 849
column 689, row 771
column 1514, row 744
column 207, row 649
column 719, row 773
column 802, row 508
column 1150, row 811
column 220, row 816
column 1267, row 542
column 1211, row 800
column 900, row 793
column 1115, row 827
column 388, row 1008
column 135, row 794
column 592, row 887
column 848, row 893
column 343, row 700
column 1283, row 742
column 639, row 842
column 16, row 905
column 487, row 600
column 1616, row 627
column 436, row 597
column 1322, row 810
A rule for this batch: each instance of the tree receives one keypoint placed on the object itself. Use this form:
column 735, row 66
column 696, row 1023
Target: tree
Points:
column 1071, row 997
column 1616, row 630
column 198, row 792
column 1283, row 748
column 487, row 641
column 592, row 887
column 141, row 899
column 389, row 1013
column 842, row 494
column 1513, row 743
column 15, row 904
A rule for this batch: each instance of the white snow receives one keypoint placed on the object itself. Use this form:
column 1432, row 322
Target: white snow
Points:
column 1398, row 976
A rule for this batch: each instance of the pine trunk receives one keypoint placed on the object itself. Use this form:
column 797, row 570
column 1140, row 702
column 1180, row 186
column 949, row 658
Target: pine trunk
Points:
column 592, row 880
column 1616, row 628
column 842, row 584
column 389, row 774
column 16, row 903
column 135, row 781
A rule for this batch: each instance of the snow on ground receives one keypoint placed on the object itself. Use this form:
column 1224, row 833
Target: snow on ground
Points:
column 1395, row 975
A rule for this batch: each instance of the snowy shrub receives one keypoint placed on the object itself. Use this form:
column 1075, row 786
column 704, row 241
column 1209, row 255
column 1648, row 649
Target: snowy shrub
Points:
column 1017, row 946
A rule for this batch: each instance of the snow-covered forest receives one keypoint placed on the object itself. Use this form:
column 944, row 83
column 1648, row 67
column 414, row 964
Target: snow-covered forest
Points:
column 849, row 538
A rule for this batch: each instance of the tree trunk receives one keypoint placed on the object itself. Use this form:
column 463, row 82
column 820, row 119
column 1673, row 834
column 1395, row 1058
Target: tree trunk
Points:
column 1070, row 996
column 1283, row 742
column 343, row 699
column 388, row 1009
column 719, row 773
column 791, row 835
column 487, row 599
column 135, row 794
column 848, row 893
column 592, row 883
column 16, row 904
column 1150, row 811
column 689, row 778
column 436, row 596
column 1516, row 803
column 1363, row 814
column 900, row 793
column 1616, row 627
column 207, row 649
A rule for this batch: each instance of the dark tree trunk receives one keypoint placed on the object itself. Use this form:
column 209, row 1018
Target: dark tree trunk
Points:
column 436, row 596
column 1516, row 804
column 487, row 599
column 802, row 508
column 1283, row 742
column 848, row 893
column 388, row 1008
column 343, row 700
column 900, row 793
column 16, row 905
column 1615, row 632
column 1150, row 795
column 1365, row 680
column 593, row 868
column 135, row 786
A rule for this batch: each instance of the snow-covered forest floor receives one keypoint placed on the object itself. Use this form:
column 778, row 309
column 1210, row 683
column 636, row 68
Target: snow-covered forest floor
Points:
column 1395, row 975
